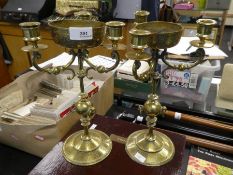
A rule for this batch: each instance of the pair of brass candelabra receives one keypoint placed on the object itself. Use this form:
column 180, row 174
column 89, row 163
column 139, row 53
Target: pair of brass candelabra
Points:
column 88, row 147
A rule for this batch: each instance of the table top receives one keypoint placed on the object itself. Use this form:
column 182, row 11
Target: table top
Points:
column 118, row 162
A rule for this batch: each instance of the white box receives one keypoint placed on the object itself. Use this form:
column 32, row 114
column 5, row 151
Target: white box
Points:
column 191, row 85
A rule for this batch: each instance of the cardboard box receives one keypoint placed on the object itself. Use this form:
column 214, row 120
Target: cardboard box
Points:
column 39, row 139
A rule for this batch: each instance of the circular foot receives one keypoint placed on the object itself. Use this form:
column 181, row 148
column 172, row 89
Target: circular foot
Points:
column 197, row 43
column 119, row 47
column 89, row 150
column 141, row 57
column 155, row 152
column 31, row 48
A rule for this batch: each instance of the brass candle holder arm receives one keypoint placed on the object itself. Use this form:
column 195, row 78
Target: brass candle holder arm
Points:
column 101, row 68
column 199, row 54
column 145, row 76
column 53, row 70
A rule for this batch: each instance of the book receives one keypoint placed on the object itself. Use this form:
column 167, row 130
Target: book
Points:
column 204, row 161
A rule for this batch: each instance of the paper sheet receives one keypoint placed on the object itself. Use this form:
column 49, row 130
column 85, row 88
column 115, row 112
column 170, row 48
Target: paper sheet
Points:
column 11, row 100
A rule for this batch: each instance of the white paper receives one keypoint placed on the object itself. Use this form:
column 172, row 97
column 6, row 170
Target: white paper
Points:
column 184, row 44
column 216, row 81
column 11, row 100
column 25, row 110
column 139, row 118
column 93, row 126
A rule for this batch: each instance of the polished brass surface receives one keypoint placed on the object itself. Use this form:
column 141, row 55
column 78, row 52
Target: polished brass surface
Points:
column 66, row 7
column 155, row 152
column 120, row 46
column 115, row 30
column 31, row 31
column 204, row 29
column 198, row 56
column 155, row 148
column 164, row 34
column 138, row 55
column 60, row 33
column 139, row 38
column 114, row 33
column 149, row 147
column 86, row 147
column 31, row 48
column 141, row 16
column 205, row 26
column 83, row 15
column 199, row 44
column 32, row 36
column 85, row 151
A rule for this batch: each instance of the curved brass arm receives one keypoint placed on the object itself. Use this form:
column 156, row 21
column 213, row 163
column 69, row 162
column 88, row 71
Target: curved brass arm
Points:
column 54, row 70
column 101, row 68
column 145, row 76
column 199, row 53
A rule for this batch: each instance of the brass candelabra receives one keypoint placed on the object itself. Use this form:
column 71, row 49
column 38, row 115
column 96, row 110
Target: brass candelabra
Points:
column 88, row 147
column 150, row 147
column 85, row 147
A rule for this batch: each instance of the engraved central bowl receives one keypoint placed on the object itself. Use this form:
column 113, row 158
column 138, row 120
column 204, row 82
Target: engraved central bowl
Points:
column 164, row 34
column 61, row 33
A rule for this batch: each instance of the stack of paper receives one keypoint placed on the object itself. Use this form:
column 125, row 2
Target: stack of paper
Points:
column 125, row 71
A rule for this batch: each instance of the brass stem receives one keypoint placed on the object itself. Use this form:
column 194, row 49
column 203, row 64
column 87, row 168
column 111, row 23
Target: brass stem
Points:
column 153, row 86
column 202, row 40
column 151, row 135
column 80, row 68
column 114, row 44
column 154, row 64
column 86, row 132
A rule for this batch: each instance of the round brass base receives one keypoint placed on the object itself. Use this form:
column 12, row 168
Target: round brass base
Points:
column 197, row 43
column 31, row 48
column 85, row 151
column 135, row 56
column 150, row 152
column 119, row 47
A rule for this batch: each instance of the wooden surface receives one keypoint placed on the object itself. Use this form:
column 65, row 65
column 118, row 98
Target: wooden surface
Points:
column 4, row 75
column 118, row 162
column 2, row 3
